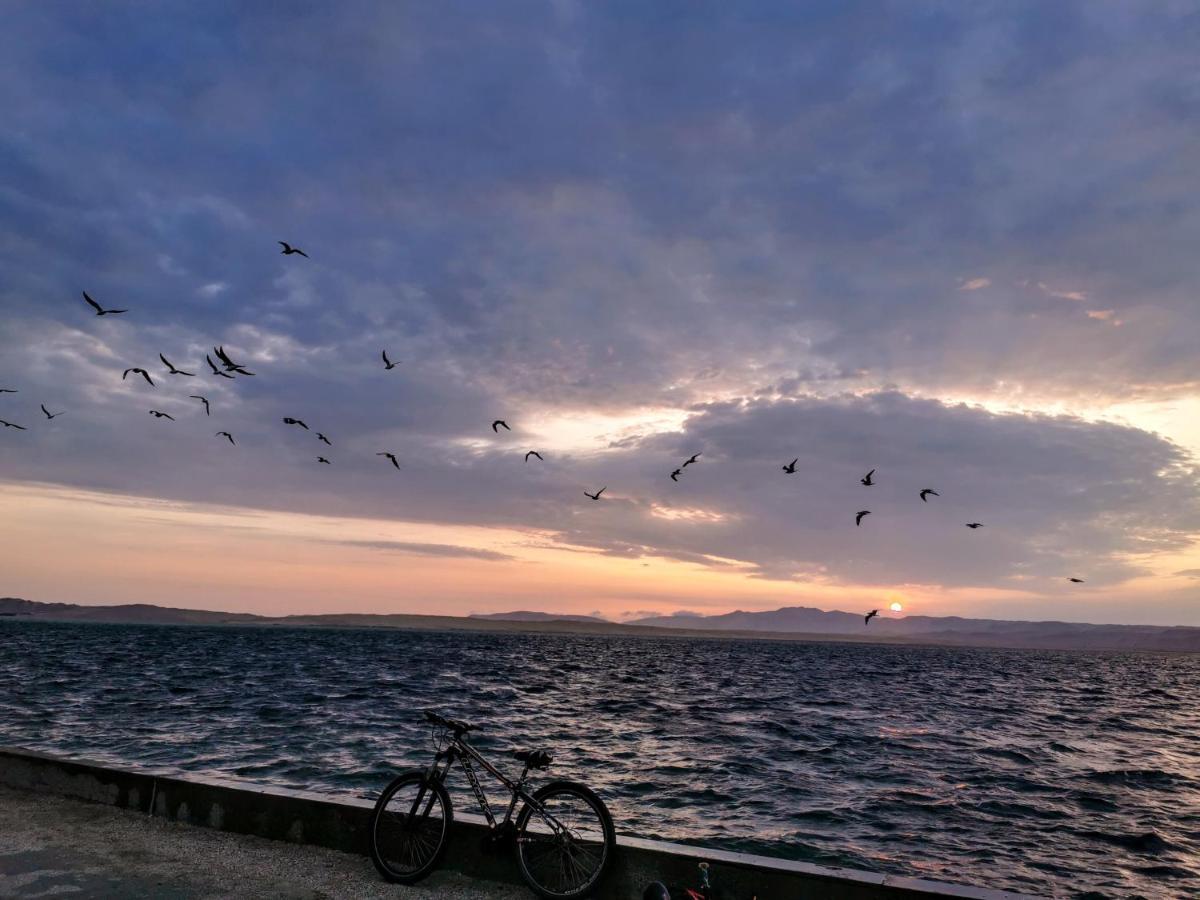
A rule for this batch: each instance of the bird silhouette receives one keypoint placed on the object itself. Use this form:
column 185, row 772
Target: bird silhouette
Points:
column 12, row 425
column 203, row 400
column 100, row 310
column 7, row 391
column 533, row 453
column 288, row 249
column 323, row 439
column 858, row 516
column 790, row 468
column 227, row 435
column 866, row 479
column 1076, row 580
column 675, row 475
column 322, row 459
column 287, row 421
column 596, row 496
column 161, row 415
column 387, row 363
column 230, row 365
column 391, row 456
column 695, row 457
column 925, row 493
column 499, row 422
column 974, row 525
column 869, row 616
column 212, row 365
column 49, row 415
column 173, row 370
column 141, row 372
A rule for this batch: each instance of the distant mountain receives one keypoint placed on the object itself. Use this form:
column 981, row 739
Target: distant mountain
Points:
column 789, row 618
column 528, row 615
column 130, row 612
column 795, row 623
column 943, row 629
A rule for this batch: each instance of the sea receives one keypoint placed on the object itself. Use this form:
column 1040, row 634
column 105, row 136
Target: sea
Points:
column 1058, row 774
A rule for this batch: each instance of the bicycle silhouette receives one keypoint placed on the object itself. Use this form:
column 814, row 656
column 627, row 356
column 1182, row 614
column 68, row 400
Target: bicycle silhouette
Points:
column 563, row 835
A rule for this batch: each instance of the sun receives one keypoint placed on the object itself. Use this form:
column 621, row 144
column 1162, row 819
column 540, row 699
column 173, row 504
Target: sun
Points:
column 896, row 607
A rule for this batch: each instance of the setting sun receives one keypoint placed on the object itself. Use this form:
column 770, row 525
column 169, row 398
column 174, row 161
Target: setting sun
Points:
column 896, row 607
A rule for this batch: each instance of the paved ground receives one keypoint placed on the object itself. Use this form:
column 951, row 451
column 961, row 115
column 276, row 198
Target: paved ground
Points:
column 53, row 847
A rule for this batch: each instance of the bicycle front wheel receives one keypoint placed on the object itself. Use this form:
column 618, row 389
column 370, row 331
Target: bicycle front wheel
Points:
column 410, row 828
column 565, row 842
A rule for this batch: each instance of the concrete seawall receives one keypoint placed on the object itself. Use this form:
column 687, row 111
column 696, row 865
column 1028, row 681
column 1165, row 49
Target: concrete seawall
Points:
column 341, row 824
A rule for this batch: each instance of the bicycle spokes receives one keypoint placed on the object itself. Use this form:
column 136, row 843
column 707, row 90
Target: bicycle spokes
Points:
column 411, row 828
column 563, row 843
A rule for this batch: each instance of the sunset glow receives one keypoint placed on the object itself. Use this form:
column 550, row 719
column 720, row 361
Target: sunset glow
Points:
column 801, row 291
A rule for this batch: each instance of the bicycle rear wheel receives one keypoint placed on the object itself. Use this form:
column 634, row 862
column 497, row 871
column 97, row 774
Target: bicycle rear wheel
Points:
column 410, row 828
column 566, row 843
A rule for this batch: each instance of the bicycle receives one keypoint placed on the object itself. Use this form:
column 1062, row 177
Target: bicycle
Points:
column 564, row 835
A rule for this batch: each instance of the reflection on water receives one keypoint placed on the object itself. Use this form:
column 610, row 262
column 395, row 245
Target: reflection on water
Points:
column 1052, row 773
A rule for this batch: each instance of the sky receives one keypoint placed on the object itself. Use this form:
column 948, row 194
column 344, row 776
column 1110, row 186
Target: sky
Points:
column 954, row 243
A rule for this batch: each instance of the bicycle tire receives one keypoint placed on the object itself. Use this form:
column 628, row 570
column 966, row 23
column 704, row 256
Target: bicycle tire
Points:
column 429, row 860
column 525, row 841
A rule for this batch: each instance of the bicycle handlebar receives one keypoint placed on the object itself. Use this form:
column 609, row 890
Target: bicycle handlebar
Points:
column 458, row 727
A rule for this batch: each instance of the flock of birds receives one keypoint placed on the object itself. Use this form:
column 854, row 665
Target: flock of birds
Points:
column 229, row 369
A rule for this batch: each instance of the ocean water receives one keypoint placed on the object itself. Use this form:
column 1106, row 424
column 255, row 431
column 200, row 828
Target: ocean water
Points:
column 1061, row 774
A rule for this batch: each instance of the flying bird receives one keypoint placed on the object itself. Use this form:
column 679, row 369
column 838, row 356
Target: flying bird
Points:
column 1076, row 580
column 974, row 525
column 213, row 366
column 323, row 439
column 100, row 310
column 925, row 493
column 790, row 468
column 203, row 400
column 11, row 425
column 322, row 459
column 227, row 435
column 695, row 457
column 675, row 475
column 858, row 516
column 141, row 372
column 391, row 456
column 866, row 479
column 49, row 415
column 596, row 496
column 230, row 365
column 288, row 249
column 173, row 370
column 161, row 415
column 387, row 363
column 533, row 453
column 497, row 423
column 7, row 391
column 287, row 421
column 869, row 616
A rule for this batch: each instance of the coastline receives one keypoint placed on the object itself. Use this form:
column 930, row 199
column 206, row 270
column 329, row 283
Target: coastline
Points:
column 139, row 615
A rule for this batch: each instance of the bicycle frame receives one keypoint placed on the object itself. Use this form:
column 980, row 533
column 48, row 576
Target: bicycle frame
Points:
column 466, row 756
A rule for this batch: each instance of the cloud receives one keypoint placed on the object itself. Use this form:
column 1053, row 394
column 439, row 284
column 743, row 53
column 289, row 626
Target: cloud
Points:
column 212, row 289
column 417, row 549
column 1063, row 295
column 743, row 246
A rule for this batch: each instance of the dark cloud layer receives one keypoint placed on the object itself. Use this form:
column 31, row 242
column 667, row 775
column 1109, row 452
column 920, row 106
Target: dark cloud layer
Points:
column 753, row 213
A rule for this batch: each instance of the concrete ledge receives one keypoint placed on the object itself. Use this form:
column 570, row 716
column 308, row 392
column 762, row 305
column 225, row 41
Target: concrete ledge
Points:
column 304, row 817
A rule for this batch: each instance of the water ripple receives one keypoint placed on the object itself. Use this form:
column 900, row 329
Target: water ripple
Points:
column 1062, row 774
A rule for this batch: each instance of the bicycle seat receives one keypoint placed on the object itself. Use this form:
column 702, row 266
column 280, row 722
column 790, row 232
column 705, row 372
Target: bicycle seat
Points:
column 535, row 759
column 456, row 725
